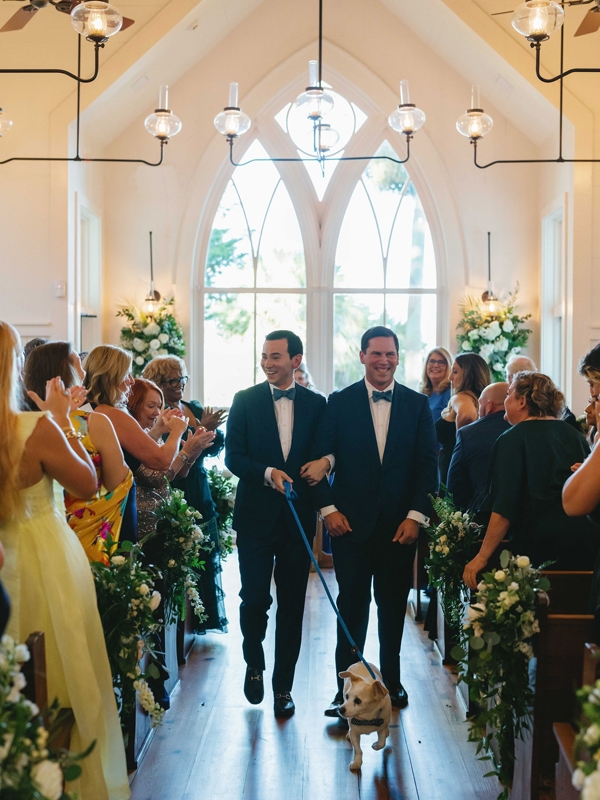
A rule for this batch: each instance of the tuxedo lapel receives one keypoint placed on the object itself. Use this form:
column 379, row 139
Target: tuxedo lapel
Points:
column 397, row 420
column 365, row 424
column 301, row 402
column 266, row 412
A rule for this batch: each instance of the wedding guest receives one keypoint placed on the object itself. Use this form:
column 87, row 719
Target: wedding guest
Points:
column 93, row 518
column 518, row 364
column 270, row 436
column 46, row 572
column 469, row 376
column 530, row 464
column 381, row 437
column 108, row 381
column 31, row 345
column 170, row 374
column 469, row 467
column 435, row 381
column 303, row 376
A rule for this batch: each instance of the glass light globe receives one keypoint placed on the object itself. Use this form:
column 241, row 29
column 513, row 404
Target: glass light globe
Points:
column 314, row 102
column 96, row 20
column 407, row 119
column 232, row 122
column 474, row 124
column 326, row 138
column 5, row 123
column 538, row 19
column 163, row 124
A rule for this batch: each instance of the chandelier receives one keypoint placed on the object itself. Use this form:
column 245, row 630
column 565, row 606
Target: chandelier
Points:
column 536, row 20
column 317, row 138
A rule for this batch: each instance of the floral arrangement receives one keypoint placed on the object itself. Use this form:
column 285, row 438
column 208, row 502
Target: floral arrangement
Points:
column 452, row 540
column 150, row 335
column 178, row 557
column 28, row 769
column 495, row 335
column 222, row 491
column 126, row 602
column 495, row 664
column 586, row 777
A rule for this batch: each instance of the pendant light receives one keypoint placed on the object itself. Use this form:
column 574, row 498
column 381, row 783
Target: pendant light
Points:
column 488, row 297
column 153, row 297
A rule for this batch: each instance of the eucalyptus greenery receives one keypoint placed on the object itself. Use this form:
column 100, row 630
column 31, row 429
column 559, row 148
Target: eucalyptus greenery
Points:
column 451, row 542
column 150, row 335
column 586, row 776
column 222, row 490
column 494, row 661
column 495, row 335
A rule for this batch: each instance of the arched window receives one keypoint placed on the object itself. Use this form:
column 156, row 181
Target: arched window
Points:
column 281, row 259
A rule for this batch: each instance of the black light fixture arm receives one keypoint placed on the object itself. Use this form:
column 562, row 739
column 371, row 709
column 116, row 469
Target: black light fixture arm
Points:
column 97, row 46
column 322, row 160
column 562, row 74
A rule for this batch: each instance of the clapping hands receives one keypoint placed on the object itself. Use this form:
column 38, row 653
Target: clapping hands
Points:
column 212, row 418
column 59, row 401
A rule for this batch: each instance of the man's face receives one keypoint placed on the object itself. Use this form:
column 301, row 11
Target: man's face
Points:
column 381, row 361
column 276, row 363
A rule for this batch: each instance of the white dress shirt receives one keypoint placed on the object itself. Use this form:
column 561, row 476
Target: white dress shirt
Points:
column 380, row 414
column 284, row 413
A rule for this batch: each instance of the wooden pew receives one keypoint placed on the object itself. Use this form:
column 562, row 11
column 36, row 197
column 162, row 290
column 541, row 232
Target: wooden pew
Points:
column 559, row 649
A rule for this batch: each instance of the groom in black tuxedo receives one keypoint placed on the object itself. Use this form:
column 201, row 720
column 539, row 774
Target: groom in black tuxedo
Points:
column 270, row 436
column 382, row 439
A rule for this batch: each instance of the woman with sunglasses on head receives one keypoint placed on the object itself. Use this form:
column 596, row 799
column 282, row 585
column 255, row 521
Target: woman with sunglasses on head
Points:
column 170, row 374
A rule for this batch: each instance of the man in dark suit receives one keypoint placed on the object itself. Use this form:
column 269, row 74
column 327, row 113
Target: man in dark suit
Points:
column 383, row 443
column 270, row 434
column 468, row 472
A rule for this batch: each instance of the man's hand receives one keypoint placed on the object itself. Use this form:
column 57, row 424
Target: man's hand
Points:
column 336, row 524
column 212, row 419
column 315, row 471
column 278, row 476
column 472, row 570
column 408, row 532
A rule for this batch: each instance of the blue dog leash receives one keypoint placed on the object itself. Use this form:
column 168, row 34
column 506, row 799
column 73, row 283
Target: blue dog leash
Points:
column 290, row 496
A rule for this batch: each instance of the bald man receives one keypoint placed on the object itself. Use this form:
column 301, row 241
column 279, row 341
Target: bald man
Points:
column 468, row 472
column 519, row 364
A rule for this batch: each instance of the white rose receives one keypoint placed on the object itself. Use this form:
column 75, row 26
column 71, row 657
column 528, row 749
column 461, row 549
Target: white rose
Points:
column 578, row 779
column 466, row 346
column 473, row 335
column 523, row 562
column 118, row 560
column 474, row 612
column 154, row 344
column 171, row 563
column 162, row 352
column 140, row 345
column 151, row 329
column 48, row 777
column 508, row 326
column 500, row 575
column 495, row 328
column 154, row 601
column 501, row 344
column 139, row 361
column 513, row 587
column 143, row 588
column 445, row 550
column 22, row 653
column 591, row 787
column 592, row 735
column 486, row 351
column 163, row 338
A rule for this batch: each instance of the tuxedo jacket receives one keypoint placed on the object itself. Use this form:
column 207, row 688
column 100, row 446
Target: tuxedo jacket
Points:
column 365, row 488
column 468, row 475
column 252, row 444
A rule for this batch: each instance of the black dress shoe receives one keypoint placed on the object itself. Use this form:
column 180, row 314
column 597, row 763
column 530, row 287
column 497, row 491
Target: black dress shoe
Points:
column 254, row 688
column 399, row 696
column 332, row 711
column 284, row 705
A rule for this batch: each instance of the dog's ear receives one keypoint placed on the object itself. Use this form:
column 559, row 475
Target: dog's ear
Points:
column 346, row 675
column 379, row 690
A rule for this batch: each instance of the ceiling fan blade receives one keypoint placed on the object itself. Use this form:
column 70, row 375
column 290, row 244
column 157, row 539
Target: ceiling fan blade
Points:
column 499, row 13
column 127, row 23
column 590, row 24
column 18, row 21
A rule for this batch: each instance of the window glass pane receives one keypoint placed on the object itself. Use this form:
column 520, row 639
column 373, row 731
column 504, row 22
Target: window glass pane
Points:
column 256, row 183
column 277, row 311
column 229, row 257
column 385, row 181
column 319, row 180
column 413, row 318
column 281, row 253
column 411, row 260
column 358, row 261
column 353, row 315
column 228, row 339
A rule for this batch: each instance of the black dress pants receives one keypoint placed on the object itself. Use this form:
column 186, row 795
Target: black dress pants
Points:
column 285, row 549
column 387, row 566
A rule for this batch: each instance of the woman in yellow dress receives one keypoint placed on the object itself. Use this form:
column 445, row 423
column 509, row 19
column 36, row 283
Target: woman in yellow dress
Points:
column 101, row 516
column 46, row 573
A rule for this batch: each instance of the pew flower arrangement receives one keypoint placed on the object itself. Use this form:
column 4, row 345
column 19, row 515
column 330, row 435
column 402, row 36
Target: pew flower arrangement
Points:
column 146, row 336
column 451, row 542
column 587, row 744
column 178, row 556
column 222, row 490
column 126, row 602
column 495, row 335
column 29, row 770
column 495, row 658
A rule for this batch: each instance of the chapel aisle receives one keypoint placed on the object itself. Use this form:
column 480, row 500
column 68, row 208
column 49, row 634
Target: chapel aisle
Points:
column 213, row 744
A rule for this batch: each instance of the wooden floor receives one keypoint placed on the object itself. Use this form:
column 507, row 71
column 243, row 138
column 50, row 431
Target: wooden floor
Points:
column 213, row 744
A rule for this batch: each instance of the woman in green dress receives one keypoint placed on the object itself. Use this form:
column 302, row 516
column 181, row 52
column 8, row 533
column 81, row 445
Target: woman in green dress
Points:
column 170, row 374
column 530, row 464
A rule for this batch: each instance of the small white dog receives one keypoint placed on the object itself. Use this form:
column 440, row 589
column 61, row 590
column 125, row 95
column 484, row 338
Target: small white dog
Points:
column 367, row 707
